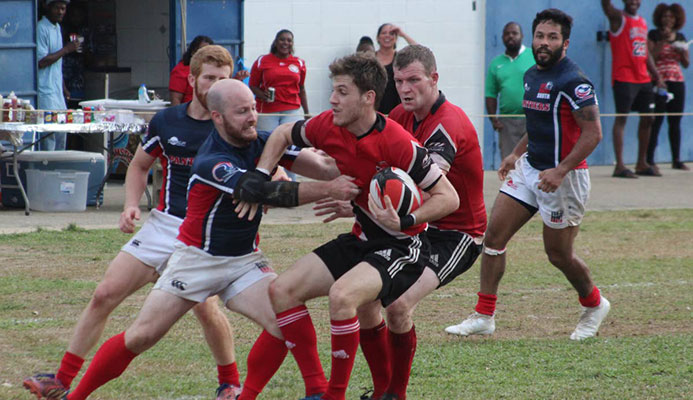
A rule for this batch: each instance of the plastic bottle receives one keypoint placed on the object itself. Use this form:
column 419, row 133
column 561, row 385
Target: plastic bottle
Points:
column 13, row 107
column 2, row 110
column 142, row 95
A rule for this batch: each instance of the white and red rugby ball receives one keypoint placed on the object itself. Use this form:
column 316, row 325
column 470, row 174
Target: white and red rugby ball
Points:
column 403, row 191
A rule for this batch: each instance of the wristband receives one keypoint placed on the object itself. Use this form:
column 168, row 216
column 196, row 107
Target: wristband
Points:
column 407, row 221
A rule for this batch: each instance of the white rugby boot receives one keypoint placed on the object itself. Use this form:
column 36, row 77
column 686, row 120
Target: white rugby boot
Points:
column 590, row 320
column 475, row 324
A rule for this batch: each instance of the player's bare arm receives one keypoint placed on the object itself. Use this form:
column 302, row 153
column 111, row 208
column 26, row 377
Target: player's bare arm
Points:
column 442, row 202
column 508, row 163
column 614, row 14
column 652, row 69
column 315, row 164
column 276, row 145
column 587, row 119
column 135, row 185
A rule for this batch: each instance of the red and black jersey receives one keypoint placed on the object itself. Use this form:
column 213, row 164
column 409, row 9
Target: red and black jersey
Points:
column 452, row 142
column 211, row 222
column 551, row 96
column 386, row 144
column 629, row 51
column 174, row 137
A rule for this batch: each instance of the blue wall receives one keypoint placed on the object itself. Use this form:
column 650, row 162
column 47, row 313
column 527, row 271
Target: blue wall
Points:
column 594, row 57
column 18, row 64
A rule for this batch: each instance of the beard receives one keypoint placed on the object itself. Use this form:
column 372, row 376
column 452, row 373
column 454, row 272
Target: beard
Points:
column 243, row 135
column 553, row 58
column 513, row 47
column 201, row 97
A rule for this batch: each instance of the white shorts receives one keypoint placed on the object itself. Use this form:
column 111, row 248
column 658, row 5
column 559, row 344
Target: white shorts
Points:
column 154, row 243
column 195, row 275
column 563, row 208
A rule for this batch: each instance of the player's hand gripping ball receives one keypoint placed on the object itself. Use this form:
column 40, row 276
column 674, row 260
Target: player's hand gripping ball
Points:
column 394, row 182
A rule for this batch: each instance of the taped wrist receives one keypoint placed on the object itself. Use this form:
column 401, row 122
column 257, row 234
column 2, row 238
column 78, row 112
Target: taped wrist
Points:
column 407, row 221
column 281, row 194
column 250, row 187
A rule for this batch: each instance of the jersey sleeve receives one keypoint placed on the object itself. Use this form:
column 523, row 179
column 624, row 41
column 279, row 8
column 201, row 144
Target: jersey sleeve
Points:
column 178, row 81
column 303, row 69
column 42, row 43
column 287, row 159
column 406, row 153
column 255, row 74
column 581, row 92
column 441, row 147
column 152, row 141
column 307, row 133
column 491, row 86
column 219, row 172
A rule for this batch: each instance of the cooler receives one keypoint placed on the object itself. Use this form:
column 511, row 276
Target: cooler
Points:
column 94, row 163
column 59, row 190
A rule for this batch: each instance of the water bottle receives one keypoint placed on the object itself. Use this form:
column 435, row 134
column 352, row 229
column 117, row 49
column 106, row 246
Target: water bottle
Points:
column 142, row 95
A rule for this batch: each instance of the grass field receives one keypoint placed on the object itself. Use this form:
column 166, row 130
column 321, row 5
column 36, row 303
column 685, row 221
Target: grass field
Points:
column 641, row 260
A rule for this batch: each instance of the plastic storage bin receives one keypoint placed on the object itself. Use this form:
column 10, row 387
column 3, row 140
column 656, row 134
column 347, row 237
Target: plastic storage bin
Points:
column 60, row 190
column 94, row 163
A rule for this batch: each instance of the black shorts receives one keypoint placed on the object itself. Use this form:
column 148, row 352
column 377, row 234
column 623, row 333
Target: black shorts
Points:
column 400, row 262
column 452, row 253
column 637, row 97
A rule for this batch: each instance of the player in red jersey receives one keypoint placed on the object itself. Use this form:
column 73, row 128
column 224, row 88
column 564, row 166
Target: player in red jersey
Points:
column 632, row 73
column 383, row 255
column 174, row 136
column 452, row 142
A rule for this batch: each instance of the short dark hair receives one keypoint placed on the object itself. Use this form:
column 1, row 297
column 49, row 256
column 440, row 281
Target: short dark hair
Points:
column 273, row 47
column 511, row 23
column 675, row 8
column 556, row 16
column 194, row 46
column 364, row 42
column 416, row 52
column 365, row 70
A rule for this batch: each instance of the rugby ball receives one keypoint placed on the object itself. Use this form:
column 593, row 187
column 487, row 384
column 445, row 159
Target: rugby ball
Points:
column 394, row 182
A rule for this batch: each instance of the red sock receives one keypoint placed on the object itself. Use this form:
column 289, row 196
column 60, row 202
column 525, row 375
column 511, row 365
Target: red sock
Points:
column 228, row 374
column 592, row 300
column 486, row 304
column 69, row 368
column 299, row 334
column 376, row 349
column 264, row 359
column 345, row 343
column 109, row 362
column 402, row 348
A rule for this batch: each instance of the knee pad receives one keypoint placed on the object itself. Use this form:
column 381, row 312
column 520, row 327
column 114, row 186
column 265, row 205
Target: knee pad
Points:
column 494, row 252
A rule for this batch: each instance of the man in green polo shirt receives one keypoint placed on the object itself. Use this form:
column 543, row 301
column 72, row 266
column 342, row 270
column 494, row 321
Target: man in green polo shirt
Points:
column 504, row 77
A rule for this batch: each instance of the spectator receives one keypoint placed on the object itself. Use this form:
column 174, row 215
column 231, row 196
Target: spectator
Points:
column 50, row 51
column 632, row 73
column 281, row 71
column 670, row 53
column 366, row 45
column 387, row 43
column 178, row 86
column 504, row 77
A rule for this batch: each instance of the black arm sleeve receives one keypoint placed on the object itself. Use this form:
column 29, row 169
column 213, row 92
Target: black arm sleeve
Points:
column 254, row 187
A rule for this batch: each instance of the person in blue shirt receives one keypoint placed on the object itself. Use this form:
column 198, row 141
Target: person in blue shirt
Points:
column 50, row 53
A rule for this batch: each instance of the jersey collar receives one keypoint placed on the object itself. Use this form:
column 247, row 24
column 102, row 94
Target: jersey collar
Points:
column 378, row 125
column 522, row 50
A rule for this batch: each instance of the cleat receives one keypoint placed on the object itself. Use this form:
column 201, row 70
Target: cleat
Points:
column 367, row 395
column 590, row 320
column 45, row 386
column 317, row 396
column 228, row 392
column 389, row 396
column 475, row 324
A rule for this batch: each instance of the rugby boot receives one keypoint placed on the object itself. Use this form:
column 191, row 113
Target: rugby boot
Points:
column 590, row 320
column 475, row 324
column 228, row 392
column 45, row 386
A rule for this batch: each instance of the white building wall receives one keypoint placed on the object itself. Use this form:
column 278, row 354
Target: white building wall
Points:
column 328, row 29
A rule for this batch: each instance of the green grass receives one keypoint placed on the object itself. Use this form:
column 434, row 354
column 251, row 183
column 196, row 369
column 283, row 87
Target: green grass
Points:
column 641, row 260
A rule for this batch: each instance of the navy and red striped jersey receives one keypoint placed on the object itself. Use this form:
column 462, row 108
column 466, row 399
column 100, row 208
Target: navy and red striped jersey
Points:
column 452, row 142
column 551, row 96
column 386, row 144
column 174, row 138
column 211, row 223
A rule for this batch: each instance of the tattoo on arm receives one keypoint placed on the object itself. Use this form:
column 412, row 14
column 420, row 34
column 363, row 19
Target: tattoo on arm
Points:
column 590, row 113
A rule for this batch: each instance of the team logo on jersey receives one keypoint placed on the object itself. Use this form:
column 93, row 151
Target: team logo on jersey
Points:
column 545, row 90
column 293, row 68
column 174, row 141
column 526, row 87
column 584, row 92
column 223, row 171
column 557, row 216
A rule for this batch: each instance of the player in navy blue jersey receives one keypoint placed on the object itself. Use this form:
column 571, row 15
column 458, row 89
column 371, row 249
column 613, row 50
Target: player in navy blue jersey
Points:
column 216, row 252
column 174, row 136
column 546, row 172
